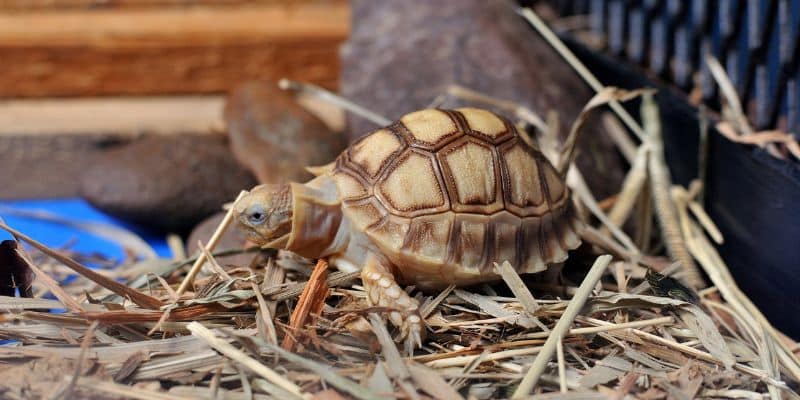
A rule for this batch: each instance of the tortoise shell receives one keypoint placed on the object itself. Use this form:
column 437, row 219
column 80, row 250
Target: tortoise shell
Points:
column 445, row 193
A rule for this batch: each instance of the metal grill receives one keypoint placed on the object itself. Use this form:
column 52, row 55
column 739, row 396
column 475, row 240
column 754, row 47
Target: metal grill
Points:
column 758, row 42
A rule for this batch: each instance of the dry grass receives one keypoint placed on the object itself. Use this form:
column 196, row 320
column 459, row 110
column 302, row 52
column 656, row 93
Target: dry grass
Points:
column 176, row 330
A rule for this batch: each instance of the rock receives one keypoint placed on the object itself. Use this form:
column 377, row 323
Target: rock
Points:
column 403, row 54
column 274, row 136
column 232, row 239
column 166, row 182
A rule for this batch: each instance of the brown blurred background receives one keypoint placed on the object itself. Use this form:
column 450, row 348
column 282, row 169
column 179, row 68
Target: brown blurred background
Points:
column 161, row 67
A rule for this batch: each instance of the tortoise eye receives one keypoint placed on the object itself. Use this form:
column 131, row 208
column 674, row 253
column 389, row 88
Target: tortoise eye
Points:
column 256, row 214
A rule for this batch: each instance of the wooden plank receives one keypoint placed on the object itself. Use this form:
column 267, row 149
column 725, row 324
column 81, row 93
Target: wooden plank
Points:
column 118, row 116
column 168, row 50
column 102, row 4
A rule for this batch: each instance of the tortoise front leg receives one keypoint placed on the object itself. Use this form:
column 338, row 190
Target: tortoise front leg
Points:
column 383, row 290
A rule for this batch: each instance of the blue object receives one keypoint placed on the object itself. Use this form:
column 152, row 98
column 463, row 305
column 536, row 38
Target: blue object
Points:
column 56, row 235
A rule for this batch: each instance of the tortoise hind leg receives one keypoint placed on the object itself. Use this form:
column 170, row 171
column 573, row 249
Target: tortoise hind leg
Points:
column 383, row 290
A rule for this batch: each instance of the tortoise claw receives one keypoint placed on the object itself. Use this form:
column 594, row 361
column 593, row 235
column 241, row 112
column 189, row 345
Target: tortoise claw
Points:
column 382, row 290
column 413, row 331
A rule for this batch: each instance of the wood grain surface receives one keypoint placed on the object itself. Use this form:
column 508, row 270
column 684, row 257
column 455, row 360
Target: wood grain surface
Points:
column 167, row 49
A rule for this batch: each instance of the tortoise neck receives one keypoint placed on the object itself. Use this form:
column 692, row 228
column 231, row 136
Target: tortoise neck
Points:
column 316, row 217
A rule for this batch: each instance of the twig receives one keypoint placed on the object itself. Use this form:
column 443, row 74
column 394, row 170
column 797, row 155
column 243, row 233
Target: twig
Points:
column 581, row 69
column 85, row 344
column 428, row 308
column 700, row 214
column 562, row 326
column 322, row 94
column 49, row 282
column 212, row 262
column 213, row 387
column 270, row 336
column 578, row 185
column 176, row 247
column 324, row 372
column 631, row 188
column 310, row 301
column 517, row 286
column 125, row 391
column 562, row 374
column 619, row 135
column 139, row 298
column 287, row 292
column 605, row 96
column 273, row 275
column 167, row 288
column 519, row 111
column 393, row 359
column 644, row 220
column 457, row 383
column 212, row 243
column 458, row 361
column 729, row 94
column 239, row 356
column 702, row 150
column 660, row 183
column 606, row 328
column 760, row 374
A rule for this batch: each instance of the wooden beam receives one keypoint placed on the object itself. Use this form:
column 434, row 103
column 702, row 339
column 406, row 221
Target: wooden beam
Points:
column 117, row 116
column 168, row 50
column 106, row 4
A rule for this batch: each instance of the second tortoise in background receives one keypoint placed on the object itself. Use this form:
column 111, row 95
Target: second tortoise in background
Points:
column 431, row 200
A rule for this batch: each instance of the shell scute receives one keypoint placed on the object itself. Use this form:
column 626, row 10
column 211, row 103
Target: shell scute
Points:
column 390, row 233
column 468, row 240
column 374, row 151
column 502, row 238
column 555, row 188
column 530, row 245
column 350, row 187
column 471, row 173
column 522, row 186
column 430, row 128
column 414, row 186
column 485, row 124
column 428, row 236
column 365, row 213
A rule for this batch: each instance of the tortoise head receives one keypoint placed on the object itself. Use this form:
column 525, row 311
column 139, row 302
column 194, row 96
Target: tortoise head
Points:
column 265, row 214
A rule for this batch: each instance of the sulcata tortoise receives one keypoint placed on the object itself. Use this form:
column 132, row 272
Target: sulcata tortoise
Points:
column 431, row 200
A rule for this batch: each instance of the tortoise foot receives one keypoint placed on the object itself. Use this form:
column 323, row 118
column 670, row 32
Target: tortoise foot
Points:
column 383, row 290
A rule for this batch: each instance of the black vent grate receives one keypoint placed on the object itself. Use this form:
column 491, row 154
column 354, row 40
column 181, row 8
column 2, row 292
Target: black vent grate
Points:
column 757, row 41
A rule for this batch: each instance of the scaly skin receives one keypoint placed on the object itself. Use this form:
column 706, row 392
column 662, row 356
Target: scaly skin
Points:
column 383, row 290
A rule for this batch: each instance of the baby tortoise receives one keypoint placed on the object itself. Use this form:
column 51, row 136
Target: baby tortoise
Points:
column 431, row 200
